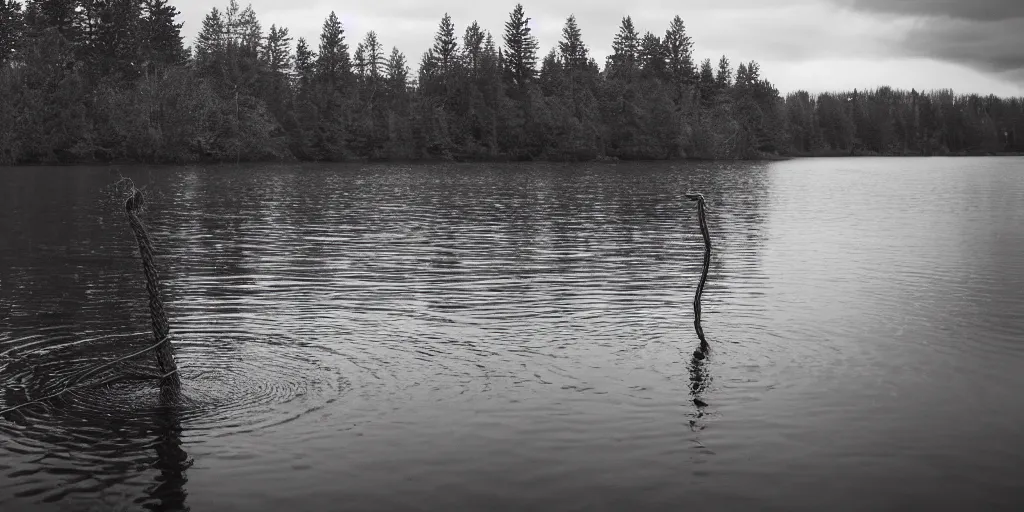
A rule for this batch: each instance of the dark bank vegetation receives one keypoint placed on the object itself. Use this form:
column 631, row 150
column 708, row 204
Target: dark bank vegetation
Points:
column 111, row 80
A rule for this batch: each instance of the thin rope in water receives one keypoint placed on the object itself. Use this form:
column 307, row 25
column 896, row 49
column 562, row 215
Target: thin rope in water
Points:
column 158, row 317
column 91, row 371
column 699, row 198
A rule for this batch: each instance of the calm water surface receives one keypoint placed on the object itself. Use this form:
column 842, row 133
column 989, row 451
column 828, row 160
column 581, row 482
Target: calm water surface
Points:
column 479, row 337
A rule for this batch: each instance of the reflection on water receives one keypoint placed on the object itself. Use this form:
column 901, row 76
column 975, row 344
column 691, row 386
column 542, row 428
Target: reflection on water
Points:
column 521, row 337
column 168, row 494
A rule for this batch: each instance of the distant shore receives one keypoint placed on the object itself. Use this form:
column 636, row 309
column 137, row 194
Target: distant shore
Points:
column 434, row 161
column 245, row 93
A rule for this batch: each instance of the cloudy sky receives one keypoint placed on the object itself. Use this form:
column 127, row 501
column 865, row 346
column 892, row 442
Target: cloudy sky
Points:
column 815, row 45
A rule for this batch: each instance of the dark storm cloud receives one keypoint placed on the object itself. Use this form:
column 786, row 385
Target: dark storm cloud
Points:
column 985, row 35
column 962, row 9
column 995, row 46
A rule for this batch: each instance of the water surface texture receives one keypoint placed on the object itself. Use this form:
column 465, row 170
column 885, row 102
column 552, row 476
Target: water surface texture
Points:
column 519, row 337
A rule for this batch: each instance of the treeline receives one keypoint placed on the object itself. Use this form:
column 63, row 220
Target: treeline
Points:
column 105, row 80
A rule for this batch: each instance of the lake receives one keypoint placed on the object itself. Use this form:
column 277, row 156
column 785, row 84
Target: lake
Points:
column 520, row 337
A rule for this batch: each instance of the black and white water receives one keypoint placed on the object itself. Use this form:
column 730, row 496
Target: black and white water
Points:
column 519, row 337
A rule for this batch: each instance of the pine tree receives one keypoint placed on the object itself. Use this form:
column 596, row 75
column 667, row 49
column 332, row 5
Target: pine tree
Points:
column 63, row 15
column 275, row 54
column 490, row 66
column 625, row 49
column 211, row 40
column 723, row 77
column 428, row 72
column 374, row 55
column 161, row 35
column 742, row 79
column 275, row 62
column 246, row 30
column 520, row 53
column 473, row 47
column 652, row 56
column 305, row 63
column 679, row 53
column 572, row 51
column 333, row 63
column 551, row 74
column 333, row 74
column 359, row 60
column 111, row 37
column 489, row 46
column 446, row 45
column 304, row 85
column 397, row 72
column 706, row 82
column 243, row 39
column 753, row 72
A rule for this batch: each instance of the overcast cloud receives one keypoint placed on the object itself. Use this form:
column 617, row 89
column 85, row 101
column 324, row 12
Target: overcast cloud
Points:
column 988, row 10
column 817, row 45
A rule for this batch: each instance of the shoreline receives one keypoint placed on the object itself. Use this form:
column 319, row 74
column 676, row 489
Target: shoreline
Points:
column 434, row 161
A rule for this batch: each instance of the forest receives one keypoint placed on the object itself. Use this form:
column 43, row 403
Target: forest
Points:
column 85, row 81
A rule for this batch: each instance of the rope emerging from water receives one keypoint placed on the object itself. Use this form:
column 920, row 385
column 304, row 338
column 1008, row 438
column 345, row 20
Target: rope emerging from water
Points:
column 161, row 329
column 704, row 347
column 169, row 380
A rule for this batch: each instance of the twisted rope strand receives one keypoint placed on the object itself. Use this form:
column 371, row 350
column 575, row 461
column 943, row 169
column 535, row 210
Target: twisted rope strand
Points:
column 699, row 198
column 161, row 329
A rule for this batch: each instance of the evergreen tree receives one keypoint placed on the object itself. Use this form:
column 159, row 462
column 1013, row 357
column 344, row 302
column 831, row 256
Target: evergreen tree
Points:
column 305, row 94
column 333, row 63
column 753, row 73
column 359, row 60
column 742, row 79
column 520, row 53
column 572, row 51
column 625, row 50
column 275, row 61
column 275, row 53
column 374, row 56
column 446, row 46
column 679, row 53
column 491, row 64
column 245, row 30
column 706, row 82
column 228, row 51
column 333, row 73
column 473, row 47
column 162, row 44
column 429, row 72
column 112, row 38
column 397, row 72
column 551, row 74
column 211, row 40
column 652, row 56
column 723, row 77
column 305, row 63
column 489, row 46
